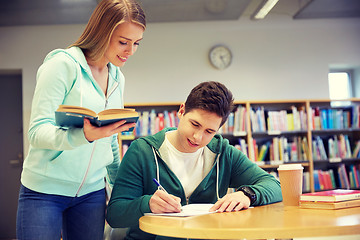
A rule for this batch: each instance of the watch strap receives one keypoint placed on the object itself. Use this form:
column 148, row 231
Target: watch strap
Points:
column 249, row 193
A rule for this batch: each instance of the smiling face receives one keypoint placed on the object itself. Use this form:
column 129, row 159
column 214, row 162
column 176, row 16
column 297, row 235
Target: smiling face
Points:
column 123, row 43
column 196, row 129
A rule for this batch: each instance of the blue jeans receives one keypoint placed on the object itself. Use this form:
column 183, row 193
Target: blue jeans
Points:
column 48, row 217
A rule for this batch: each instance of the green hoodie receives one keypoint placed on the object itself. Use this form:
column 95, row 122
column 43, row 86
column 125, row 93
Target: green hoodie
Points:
column 142, row 162
column 60, row 160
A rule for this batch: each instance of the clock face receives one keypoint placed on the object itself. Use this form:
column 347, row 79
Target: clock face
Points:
column 220, row 56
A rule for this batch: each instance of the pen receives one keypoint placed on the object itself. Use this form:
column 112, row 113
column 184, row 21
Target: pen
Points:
column 159, row 185
column 163, row 189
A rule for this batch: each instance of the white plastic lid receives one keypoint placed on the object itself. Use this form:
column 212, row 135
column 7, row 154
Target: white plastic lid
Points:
column 292, row 166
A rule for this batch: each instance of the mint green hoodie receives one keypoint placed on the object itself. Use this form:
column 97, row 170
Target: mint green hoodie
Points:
column 60, row 160
column 142, row 162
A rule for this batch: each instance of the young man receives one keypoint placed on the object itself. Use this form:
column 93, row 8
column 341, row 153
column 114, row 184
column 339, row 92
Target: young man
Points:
column 193, row 164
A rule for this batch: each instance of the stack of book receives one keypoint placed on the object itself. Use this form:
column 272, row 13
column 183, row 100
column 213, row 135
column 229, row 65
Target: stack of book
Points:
column 331, row 199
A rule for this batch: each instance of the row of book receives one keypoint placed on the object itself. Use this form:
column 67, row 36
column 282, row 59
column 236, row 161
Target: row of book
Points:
column 278, row 150
column 349, row 177
column 338, row 147
column 345, row 177
column 355, row 116
column 330, row 118
column 236, row 124
column 324, row 179
column 282, row 120
column 356, row 152
column 265, row 121
column 151, row 122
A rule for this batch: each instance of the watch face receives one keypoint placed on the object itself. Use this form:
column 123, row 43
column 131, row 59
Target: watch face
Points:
column 220, row 57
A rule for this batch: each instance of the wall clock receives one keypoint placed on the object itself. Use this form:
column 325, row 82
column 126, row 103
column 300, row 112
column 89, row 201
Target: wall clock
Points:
column 220, row 56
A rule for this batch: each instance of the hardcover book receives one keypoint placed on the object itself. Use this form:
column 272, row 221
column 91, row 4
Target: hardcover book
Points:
column 73, row 116
column 330, row 205
column 335, row 195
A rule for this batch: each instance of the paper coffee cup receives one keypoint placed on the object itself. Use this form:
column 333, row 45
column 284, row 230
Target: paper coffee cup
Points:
column 291, row 178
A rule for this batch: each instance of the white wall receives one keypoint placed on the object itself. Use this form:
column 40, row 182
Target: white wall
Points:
column 279, row 58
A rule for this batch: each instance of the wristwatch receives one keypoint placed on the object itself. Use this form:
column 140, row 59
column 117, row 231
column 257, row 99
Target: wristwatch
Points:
column 249, row 193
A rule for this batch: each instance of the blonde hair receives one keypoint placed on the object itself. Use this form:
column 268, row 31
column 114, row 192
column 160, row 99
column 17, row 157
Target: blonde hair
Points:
column 106, row 17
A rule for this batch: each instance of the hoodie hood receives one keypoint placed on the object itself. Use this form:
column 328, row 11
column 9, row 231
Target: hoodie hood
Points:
column 83, row 74
column 76, row 54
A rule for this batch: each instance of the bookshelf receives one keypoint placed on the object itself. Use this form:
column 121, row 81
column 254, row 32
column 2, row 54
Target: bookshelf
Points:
column 282, row 131
column 336, row 134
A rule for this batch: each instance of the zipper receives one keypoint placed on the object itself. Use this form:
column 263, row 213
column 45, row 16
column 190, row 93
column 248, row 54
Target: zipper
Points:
column 109, row 93
column 92, row 153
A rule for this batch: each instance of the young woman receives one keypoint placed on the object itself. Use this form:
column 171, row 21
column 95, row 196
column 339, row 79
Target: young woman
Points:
column 62, row 191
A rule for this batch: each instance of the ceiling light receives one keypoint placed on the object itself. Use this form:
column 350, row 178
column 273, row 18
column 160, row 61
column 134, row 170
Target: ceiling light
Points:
column 264, row 9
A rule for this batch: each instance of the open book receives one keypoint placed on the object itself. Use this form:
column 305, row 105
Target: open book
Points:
column 194, row 209
column 73, row 116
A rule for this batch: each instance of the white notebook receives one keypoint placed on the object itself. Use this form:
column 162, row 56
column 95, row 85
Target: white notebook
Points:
column 194, row 209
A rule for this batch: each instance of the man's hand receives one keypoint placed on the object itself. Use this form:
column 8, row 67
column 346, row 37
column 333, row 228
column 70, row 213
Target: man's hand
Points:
column 93, row 133
column 162, row 202
column 232, row 202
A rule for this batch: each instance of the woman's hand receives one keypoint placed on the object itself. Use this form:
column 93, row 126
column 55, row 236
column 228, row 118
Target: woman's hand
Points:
column 162, row 202
column 93, row 133
column 232, row 202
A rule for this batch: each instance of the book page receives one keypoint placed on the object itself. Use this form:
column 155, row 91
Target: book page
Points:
column 117, row 111
column 120, row 113
column 188, row 210
column 76, row 109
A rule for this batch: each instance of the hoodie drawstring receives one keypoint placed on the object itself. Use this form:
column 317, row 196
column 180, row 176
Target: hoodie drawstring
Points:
column 81, row 90
column 157, row 166
column 217, row 177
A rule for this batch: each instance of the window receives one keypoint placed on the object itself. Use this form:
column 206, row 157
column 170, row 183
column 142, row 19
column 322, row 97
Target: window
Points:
column 339, row 88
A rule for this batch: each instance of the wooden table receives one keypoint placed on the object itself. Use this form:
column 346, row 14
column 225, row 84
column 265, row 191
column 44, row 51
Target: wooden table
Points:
column 263, row 222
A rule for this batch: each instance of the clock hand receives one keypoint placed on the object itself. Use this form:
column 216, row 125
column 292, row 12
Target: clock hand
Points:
column 222, row 59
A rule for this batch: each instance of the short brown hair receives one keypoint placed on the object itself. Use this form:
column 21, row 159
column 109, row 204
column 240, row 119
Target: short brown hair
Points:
column 212, row 97
column 106, row 17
